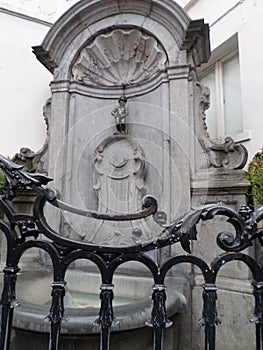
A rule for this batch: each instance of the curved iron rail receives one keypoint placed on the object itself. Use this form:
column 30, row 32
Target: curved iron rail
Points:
column 22, row 233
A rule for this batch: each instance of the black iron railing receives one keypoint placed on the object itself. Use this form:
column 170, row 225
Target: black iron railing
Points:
column 22, row 233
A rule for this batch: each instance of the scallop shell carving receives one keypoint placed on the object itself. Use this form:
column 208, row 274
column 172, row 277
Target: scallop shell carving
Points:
column 120, row 57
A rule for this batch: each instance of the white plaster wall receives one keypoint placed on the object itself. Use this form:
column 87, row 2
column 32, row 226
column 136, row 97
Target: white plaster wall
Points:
column 251, row 55
column 47, row 10
column 211, row 10
column 24, row 85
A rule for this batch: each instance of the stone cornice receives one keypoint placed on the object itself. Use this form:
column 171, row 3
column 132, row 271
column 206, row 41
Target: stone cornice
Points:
column 164, row 76
column 197, row 41
column 89, row 15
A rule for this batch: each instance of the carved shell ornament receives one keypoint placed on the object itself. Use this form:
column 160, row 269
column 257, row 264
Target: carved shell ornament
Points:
column 118, row 58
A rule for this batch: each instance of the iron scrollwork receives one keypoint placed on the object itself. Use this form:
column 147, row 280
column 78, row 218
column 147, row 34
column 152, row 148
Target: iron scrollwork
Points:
column 18, row 180
column 22, row 232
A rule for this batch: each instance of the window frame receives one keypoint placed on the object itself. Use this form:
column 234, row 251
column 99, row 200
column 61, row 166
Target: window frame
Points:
column 220, row 55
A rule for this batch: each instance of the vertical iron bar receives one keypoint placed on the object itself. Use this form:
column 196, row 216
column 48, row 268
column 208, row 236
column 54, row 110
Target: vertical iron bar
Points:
column 106, row 316
column 210, row 337
column 259, row 336
column 56, row 313
column 105, row 338
column 158, row 339
column 257, row 318
column 209, row 319
column 159, row 319
column 9, row 302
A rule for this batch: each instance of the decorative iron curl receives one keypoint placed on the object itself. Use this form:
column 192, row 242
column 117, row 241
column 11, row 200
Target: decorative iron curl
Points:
column 182, row 230
column 255, row 218
column 18, row 180
column 244, row 222
column 149, row 205
column 27, row 228
column 246, row 226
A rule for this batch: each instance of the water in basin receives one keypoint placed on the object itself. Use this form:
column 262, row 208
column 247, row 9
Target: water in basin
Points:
column 74, row 299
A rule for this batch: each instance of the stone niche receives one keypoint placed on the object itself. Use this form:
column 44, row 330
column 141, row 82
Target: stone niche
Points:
column 99, row 51
column 146, row 51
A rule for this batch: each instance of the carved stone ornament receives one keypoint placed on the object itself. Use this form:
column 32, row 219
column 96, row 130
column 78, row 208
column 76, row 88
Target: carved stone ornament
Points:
column 118, row 58
column 119, row 173
column 228, row 155
column 26, row 158
column 36, row 161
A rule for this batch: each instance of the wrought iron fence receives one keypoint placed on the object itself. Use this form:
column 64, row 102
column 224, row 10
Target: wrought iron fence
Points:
column 22, row 233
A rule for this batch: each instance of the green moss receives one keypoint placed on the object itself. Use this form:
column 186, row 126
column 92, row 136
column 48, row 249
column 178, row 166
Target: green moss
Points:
column 255, row 175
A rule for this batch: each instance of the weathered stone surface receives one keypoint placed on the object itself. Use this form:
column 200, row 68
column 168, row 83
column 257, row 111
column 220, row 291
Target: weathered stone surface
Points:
column 235, row 308
column 147, row 51
column 119, row 58
column 226, row 154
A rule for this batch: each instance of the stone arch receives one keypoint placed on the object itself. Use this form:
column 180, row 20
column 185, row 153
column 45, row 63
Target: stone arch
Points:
column 164, row 19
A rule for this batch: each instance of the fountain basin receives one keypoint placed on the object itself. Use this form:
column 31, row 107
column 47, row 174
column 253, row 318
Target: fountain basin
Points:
column 132, row 306
column 132, row 301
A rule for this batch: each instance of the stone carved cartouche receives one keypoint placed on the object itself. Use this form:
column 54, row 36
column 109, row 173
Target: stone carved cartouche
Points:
column 119, row 174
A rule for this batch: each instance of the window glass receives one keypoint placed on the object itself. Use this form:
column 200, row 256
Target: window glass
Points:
column 211, row 120
column 224, row 117
column 232, row 95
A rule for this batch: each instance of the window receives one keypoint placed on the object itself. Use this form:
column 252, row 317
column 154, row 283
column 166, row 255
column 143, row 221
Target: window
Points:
column 222, row 76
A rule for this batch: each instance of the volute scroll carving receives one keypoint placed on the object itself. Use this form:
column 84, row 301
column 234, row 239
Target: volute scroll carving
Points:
column 227, row 154
column 36, row 161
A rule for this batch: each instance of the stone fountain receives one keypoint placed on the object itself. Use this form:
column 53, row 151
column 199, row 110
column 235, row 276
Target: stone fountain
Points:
column 126, row 118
